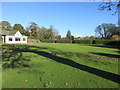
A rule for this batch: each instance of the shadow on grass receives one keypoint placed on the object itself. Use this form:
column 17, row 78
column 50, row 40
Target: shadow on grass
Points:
column 104, row 74
column 118, row 52
column 105, row 54
column 12, row 57
column 105, row 46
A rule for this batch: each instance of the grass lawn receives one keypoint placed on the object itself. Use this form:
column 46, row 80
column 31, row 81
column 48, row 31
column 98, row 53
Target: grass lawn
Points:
column 62, row 68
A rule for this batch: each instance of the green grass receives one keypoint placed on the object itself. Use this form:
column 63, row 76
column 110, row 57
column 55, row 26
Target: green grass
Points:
column 77, row 48
column 48, row 73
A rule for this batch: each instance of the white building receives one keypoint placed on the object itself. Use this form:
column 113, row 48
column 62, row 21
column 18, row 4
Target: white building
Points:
column 13, row 37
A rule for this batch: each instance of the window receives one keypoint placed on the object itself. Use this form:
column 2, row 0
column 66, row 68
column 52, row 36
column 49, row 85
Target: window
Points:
column 10, row 39
column 24, row 39
column 17, row 39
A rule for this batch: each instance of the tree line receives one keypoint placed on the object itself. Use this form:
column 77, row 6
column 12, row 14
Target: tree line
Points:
column 31, row 30
column 35, row 31
column 105, row 30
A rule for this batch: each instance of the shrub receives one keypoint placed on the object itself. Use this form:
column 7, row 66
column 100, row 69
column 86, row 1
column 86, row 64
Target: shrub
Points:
column 63, row 41
column 113, row 43
column 0, row 37
column 98, row 41
column 32, row 37
column 102, row 41
column 42, row 39
column 48, row 41
column 84, row 41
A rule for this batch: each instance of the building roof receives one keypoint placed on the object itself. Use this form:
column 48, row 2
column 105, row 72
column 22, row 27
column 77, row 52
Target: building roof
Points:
column 8, row 32
column 12, row 32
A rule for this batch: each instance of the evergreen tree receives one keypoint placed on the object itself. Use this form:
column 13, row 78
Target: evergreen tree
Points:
column 69, row 36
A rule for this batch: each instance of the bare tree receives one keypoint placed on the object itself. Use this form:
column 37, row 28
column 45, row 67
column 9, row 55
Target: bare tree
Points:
column 104, row 30
column 110, row 6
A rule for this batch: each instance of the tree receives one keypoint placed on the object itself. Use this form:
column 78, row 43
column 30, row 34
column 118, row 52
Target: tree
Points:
column 72, row 37
column 0, row 38
column 59, row 36
column 86, row 37
column 115, row 30
column 42, row 32
column 27, row 31
column 118, row 23
column 69, row 36
column 5, row 25
column 19, row 27
column 33, row 29
column 92, row 37
column 109, row 6
column 104, row 30
column 50, row 33
column 115, row 37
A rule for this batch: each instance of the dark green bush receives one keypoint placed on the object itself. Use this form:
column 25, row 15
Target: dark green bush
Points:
column 102, row 41
column 48, row 41
column 113, row 43
column 83, row 41
column 98, row 41
column 42, row 39
column 63, row 41
column 0, row 38
column 31, row 37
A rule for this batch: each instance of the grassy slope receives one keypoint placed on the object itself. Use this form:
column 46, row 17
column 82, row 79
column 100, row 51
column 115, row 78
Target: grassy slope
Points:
column 43, row 71
column 77, row 48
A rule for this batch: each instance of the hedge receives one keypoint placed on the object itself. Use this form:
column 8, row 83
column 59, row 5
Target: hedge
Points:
column 0, row 38
column 63, row 41
column 51, row 41
column 113, row 43
column 98, row 41
column 31, row 37
column 83, row 41
column 42, row 39
column 104, row 41
column 48, row 41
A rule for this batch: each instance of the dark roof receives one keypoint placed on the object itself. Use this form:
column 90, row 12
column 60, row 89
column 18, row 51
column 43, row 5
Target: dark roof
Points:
column 4, row 32
column 8, row 32
column 12, row 32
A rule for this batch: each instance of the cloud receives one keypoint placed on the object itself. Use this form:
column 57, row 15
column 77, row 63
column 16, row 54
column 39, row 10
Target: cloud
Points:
column 77, row 35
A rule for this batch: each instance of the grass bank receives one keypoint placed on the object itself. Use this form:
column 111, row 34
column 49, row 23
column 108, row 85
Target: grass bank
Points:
column 62, row 68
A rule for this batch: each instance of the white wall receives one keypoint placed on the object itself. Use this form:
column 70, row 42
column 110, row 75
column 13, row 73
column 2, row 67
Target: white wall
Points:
column 18, row 34
column 13, row 39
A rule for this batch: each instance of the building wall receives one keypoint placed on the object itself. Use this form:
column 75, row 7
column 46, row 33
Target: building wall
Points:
column 29, row 40
column 13, row 39
column 18, row 34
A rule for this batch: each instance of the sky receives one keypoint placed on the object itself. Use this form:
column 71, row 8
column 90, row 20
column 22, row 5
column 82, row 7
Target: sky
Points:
column 81, row 18
column 57, row 0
